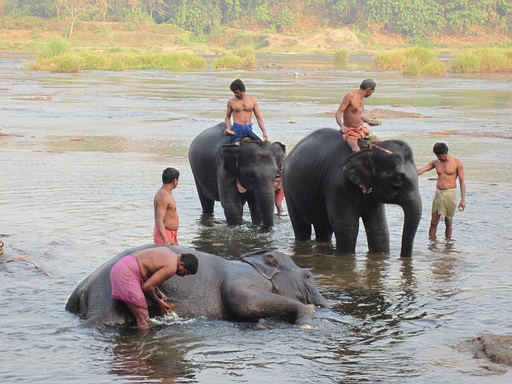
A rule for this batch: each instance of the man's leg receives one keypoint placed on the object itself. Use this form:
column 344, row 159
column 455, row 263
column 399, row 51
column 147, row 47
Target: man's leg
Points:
column 141, row 315
column 353, row 144
column 432, row 232
column 449, row 227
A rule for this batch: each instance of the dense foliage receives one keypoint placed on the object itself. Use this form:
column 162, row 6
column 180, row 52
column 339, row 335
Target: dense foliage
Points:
column 410, row 18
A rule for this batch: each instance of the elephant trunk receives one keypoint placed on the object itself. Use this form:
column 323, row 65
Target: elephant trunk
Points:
column 266, row 201
column 412, row 217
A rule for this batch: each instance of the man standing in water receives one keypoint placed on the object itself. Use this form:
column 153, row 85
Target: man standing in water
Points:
column 242, row 107
column 351, row 109
column 139, row 275
column 167, row 221
column 448, row 169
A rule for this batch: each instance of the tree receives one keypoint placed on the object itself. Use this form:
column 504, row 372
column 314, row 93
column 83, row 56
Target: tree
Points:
column 76, row 9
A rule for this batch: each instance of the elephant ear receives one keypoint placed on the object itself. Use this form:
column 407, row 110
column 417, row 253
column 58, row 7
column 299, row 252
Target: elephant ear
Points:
column 265, row 262
column 280, row 153
column 360, row 168
column 229, row 156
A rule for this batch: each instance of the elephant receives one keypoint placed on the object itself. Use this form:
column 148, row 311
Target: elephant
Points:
column 262, row 285
column 330, row 187
column 217, row 165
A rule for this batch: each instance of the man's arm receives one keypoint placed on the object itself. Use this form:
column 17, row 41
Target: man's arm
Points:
column 339, row 113
column 150, row 286
column 427, row 167
column 229, row 112
column 160, row 210
column 462, row 183
column 259, row 119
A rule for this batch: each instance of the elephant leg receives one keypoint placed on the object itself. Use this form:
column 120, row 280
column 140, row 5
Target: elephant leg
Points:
column 206, row 203
column 301, row 229
column 376, row 226
column 323, row 233
column 254, row 304
column 345, row 229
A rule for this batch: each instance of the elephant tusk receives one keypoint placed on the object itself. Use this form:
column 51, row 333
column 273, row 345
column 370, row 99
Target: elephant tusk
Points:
column 365, row 190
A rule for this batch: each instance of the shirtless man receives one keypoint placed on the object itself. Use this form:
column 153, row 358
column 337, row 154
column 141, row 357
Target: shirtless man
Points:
column 167, row 221
column 448, row 169
column 137, row 277
column 242, row 107
column 351, row 109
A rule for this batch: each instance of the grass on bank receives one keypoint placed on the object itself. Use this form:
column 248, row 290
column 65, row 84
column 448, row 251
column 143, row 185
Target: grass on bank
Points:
column 483, row 60
column 244, row 59
column 413, row 61
column 58, row 56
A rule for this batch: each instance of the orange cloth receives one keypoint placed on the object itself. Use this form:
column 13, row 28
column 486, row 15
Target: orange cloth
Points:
column 354, row 133
column 278, row 190
column 172, row 236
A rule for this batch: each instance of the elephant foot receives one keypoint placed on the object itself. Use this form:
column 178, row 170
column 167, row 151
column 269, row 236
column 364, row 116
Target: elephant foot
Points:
column 239, row 186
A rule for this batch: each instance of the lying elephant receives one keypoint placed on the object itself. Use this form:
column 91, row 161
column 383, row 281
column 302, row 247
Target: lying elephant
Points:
column 263, row 285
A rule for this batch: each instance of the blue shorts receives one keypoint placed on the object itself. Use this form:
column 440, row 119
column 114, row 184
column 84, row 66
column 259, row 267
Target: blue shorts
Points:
column 241, row 131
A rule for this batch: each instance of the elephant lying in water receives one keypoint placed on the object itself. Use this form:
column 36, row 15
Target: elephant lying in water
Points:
column 263, row 285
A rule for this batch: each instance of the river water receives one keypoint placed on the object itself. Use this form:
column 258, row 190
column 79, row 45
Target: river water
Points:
column 81, row 157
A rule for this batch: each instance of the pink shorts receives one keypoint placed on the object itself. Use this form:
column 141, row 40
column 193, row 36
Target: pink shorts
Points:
column 127, row 282
column 171, row 235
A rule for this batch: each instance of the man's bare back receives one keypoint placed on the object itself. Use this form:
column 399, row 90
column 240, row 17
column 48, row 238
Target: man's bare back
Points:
column 159, row 259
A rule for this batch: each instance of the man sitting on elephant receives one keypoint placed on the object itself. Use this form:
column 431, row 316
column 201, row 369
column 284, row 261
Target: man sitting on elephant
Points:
column 351, row 108
column 241, row 107
column 140, row 274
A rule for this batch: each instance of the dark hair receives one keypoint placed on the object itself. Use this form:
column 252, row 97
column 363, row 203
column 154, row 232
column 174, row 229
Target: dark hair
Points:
column 237, row 85
column 368, row 83
column 169, row 174
column 440, row 149
column 190, row 262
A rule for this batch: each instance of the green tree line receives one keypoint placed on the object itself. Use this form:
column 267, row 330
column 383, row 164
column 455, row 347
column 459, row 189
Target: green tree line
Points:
column 409, row 18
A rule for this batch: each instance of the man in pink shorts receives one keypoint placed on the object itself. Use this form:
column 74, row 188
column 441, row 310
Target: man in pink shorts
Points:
column 137, row 277
column 167, row 220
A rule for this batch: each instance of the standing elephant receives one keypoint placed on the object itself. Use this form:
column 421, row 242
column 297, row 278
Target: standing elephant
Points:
column 217, row 165
column 265, row 284
column 329, row 187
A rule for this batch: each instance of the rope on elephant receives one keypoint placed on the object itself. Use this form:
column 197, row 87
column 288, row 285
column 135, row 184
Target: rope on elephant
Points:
column 372, row 144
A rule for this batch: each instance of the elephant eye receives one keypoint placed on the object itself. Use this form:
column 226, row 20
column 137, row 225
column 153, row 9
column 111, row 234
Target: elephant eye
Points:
column 398, row 180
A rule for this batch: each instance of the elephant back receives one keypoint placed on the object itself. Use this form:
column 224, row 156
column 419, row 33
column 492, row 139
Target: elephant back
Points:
column 204, row 156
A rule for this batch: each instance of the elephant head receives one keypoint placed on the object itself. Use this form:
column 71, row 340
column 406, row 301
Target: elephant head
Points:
column 386, row 172
column 254, row 166
column 286, row 277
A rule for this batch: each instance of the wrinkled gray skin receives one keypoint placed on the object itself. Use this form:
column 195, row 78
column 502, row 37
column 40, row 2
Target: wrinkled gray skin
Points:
column 216, row 164
column 322, row 179
column 265, row 285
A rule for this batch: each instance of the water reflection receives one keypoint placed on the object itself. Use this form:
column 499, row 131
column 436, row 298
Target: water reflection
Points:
column 149, row 356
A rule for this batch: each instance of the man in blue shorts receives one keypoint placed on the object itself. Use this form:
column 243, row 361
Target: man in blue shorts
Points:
column 242, row 107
